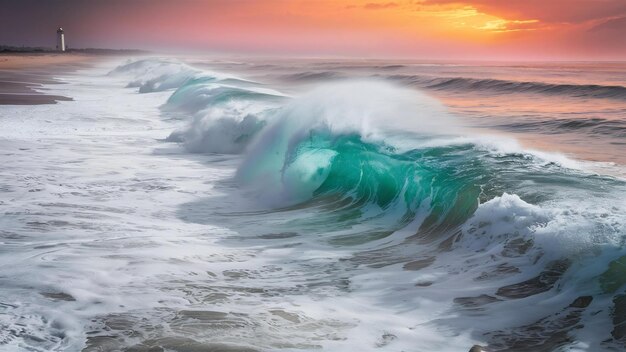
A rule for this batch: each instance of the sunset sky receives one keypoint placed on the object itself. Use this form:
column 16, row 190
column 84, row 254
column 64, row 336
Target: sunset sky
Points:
column 437, row 29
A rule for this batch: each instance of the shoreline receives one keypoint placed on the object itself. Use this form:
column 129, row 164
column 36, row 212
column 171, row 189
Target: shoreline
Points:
column 11, row 61
column 22, row 74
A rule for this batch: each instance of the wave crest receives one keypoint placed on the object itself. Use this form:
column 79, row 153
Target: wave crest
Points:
column 506, row 86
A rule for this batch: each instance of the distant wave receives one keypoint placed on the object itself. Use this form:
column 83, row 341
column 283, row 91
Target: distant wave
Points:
column 506, row 86
column 312, row 76
column 596, row 126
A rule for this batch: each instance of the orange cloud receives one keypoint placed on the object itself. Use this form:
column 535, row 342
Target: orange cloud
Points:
column 549, row 11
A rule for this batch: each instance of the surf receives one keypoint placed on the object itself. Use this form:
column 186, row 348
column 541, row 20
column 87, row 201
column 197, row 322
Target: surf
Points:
column 383, row 175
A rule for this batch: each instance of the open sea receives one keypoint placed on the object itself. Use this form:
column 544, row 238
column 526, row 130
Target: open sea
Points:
column 235, row 204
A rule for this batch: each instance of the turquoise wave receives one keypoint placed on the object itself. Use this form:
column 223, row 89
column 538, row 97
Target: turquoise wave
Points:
column 521, row 228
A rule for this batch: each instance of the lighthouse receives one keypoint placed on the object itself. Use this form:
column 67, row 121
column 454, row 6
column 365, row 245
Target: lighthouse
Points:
column 60, row 40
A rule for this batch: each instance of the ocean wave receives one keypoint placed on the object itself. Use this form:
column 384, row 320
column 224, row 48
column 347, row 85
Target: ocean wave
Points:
column 152, row 75
column 508, row 87
column 477, row 215
column 223, row 112
column 201, row 94
column 591, row 126
column 335, row 117
column 382, row 172
column 313, row 76
column 223, row 117
column 220, row 135
column 156, row 75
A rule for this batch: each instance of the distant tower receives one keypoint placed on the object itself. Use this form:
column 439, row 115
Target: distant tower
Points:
column 60, row 40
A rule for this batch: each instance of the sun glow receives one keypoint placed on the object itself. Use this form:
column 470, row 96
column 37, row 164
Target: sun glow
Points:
column 403, row 28
column 501, row 25
column 453, row 21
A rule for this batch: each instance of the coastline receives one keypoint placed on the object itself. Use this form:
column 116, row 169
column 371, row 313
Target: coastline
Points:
column 12, row 61
column 22, row 74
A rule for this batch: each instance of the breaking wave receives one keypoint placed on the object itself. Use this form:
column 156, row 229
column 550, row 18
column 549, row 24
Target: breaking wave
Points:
column 492, row 231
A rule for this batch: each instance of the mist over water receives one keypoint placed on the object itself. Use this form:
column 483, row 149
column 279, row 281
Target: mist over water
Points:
column 204, row 204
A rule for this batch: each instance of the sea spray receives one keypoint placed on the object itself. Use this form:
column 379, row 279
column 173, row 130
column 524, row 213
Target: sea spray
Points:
column 361, row 196
column 293, row 156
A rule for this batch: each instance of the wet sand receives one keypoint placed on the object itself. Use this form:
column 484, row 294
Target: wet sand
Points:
column 22, row 76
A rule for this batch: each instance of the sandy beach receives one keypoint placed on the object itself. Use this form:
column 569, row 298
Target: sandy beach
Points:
column 32, row 60
column 22, row 74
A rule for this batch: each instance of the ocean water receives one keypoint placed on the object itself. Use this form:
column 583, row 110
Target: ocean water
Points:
column 202, row 204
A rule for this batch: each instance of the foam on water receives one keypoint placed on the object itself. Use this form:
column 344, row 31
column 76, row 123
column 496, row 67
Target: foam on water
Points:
column 352, row 217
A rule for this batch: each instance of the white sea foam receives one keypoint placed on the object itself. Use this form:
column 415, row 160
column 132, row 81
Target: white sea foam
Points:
column 111, row 237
